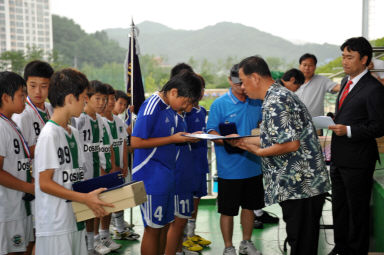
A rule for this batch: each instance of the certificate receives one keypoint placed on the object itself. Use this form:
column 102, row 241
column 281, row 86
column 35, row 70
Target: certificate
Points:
column 321, row 122
column 215, row 137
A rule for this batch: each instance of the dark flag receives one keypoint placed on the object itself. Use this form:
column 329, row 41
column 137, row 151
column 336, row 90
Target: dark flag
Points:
column 133, row 63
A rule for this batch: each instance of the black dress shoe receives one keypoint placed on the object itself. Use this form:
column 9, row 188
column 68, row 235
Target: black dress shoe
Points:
column 267, row 218
column 334, row 252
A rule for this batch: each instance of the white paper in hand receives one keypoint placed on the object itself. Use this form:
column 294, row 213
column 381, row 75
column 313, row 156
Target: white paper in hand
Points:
column 321, row 122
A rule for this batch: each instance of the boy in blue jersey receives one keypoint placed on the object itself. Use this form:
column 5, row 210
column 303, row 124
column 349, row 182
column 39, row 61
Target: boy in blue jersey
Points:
column 154, row 163
column 183, row 198
column 196, row 122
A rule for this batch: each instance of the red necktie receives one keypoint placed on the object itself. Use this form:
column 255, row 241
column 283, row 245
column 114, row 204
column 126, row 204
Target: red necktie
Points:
column 345, row 93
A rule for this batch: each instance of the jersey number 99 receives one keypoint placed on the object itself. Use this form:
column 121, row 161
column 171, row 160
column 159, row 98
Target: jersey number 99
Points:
column 64, row 155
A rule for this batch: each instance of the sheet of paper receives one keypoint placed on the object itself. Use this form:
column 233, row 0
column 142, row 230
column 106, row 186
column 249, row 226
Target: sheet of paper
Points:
column 321, row 122
column 215, row 137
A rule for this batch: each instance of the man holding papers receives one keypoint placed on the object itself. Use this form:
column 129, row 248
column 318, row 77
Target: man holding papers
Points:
column 359, row 120
column 293, row 166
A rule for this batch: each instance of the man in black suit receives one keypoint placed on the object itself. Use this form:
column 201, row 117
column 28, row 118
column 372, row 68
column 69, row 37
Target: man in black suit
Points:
column 359, row 120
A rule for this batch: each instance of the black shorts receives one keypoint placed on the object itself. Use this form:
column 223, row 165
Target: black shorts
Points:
column 233, row 193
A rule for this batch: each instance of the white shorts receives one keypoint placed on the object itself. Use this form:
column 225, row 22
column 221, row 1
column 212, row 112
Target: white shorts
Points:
column 65, row 244
column 13, row 236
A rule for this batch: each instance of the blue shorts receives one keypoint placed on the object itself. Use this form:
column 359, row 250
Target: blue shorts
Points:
column 184, row 205
column 201, row 189
column 158, row 211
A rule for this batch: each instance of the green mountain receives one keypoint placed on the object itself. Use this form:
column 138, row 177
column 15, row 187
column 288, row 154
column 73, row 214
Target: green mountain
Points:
column 76, row 47
column 217, row 42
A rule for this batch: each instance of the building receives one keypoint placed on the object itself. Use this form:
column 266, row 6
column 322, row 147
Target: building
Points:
column 25, row 23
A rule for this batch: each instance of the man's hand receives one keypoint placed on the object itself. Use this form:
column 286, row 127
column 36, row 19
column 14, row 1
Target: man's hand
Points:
column 95, row 204
column 339, row 129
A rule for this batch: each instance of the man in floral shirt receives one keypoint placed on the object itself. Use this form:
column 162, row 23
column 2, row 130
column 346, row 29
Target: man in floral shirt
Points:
column 294, row 171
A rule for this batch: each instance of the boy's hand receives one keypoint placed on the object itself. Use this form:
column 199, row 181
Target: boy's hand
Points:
column 180, row 138
column 95, row 204
column 123, row 171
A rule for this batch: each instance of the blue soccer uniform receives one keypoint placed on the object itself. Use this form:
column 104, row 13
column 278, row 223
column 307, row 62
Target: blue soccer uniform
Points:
column 185, row 173
column 156, row 166
column 196, row 121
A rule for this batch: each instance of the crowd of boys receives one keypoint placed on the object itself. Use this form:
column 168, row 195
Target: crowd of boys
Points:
column 46, row 147
column 42, row 156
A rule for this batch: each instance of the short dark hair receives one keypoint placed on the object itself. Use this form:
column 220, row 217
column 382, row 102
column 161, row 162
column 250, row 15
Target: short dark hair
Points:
column 187, row 83
column 39, row 69
column 202, row 81
column 10, row 82
column 110, row 89
column 306, row 56
column 96, row 86
column 295, row 73
column 359, row 44
column 123, row 95
column 65, row 82
column 179, row 67
column 255, row 64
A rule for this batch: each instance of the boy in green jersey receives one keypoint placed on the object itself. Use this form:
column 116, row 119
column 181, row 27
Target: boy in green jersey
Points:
column 59, row 162
column 90, row 126
column 117, row 129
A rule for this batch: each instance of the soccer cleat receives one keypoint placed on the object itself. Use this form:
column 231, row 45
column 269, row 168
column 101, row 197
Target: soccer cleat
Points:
column 247, row 247
column 109, row 243
column 230, row 251
column 127, row 234
column 199, row 240
column 191, row 246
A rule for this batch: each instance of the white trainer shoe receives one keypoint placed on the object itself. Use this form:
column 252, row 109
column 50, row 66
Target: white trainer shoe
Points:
column 247, row 247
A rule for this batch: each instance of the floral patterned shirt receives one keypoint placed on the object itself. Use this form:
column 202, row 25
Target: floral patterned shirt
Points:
column 295, row 175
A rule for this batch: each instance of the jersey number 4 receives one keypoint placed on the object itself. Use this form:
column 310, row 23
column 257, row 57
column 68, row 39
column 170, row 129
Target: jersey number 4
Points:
column 158, row 214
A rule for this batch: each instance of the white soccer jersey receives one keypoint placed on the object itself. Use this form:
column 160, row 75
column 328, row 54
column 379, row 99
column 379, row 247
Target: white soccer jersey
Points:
column 91, row 135
column 57, row 149
column 17, row 164
column 117, row 129
column 105, row 148
column 32, row 120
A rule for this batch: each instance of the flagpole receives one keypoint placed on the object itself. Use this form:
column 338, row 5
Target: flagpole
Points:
column 132, row 102
column 132, row 61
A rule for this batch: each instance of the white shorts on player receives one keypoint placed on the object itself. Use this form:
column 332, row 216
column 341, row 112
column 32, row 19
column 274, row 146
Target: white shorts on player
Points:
column 14, row 235
column 65, row 244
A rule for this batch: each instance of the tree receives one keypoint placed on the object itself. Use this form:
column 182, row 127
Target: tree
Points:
column 12, row 60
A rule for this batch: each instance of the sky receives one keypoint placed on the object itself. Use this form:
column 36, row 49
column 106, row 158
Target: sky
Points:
column 318, row 21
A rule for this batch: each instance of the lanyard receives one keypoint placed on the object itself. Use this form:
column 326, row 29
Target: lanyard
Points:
column 13, row 125
column 34, row 108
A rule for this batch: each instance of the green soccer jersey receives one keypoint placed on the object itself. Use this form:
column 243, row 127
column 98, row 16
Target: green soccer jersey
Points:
column 119, row 134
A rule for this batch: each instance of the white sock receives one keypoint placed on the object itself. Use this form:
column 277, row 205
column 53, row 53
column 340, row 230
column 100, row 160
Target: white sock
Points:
column 104, row 233
column 191, row 225
column 119, row 221
column 258, row 213
column 90, row 240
